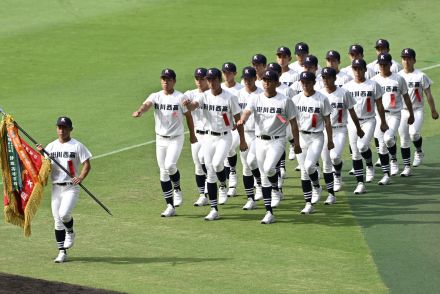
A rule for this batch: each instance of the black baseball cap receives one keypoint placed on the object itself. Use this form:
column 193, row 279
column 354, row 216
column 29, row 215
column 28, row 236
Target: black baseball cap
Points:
column 275, row 67
column 64, row 121
column 307, row 76
column 311, row 60
column 270, row 75
column 333, row 54
column 249, row 72
column 359, row 63
column 229, row 67
column 301, row 47
column 284, row 50
column 356, row 49
column 200, row 72
column 259, row 59
column 382, row 43
column 168, row 73
column 214, row 73
column 408, row 52
column 328, row 72
column 384, row 58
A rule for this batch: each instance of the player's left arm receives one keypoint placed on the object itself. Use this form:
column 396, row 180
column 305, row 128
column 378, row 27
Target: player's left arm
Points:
column 190, row 124
column 240, row 130
column 408, row 103
column 381, row 112
column 431, row 103
column 84, row 172
column 329, row 129
column 355, row 120
column 295, row 133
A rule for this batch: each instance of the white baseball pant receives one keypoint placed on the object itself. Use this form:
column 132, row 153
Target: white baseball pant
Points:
column 167, row 153
column 195, row 152
column 388, row 139
column 216, row 150
column 248, row 157
column 64, row 199
column 357, row 144
column 412, row 132
column 268, row 154
column 311, row 146
column 334, row 156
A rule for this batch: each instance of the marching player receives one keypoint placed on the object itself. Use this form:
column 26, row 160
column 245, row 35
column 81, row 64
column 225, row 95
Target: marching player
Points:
column 343, row 104
column 394, row 89
column 383, row 46
column 356, row 51
column 229, row 71
column 301, row 52
column 248, row 157
column 199, row 125
column 220, row 108
column 418, row 83
column 368, row 95
column 71, row 154
column 271, row 111
column 333, row 60
column 168, row 115
column 259, row 62
column 311, row 65
column 313, row 112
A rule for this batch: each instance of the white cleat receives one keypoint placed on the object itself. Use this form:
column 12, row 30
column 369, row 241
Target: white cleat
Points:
column 232, row 192
column 337, row 185
column 418, row 158
column 370, row 174
column 385, row 180
column 169, row 211
column 250, row 204
column 202, row 201
column 308, row 209
column 62, row 257
column 378, row 164
column 268, row 218
column 222, row 195
column 292, row 154
column 212, row 215
column 280, row 182
column 406, row 172
column 298, row 168
column 351, row 172
column 177, row 198
column 394, row 167
column 283, row 173
column 360, row 189
column 276, row 197
column 258, row 193
column 232, row 179
column 316, row 194
column 331, row 199
column 70, row 239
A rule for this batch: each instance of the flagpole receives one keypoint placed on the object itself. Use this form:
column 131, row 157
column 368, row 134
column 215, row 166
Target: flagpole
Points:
column 59, row 165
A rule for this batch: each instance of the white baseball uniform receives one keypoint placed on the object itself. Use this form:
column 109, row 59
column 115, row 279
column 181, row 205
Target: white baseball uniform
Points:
column 289, row 77
column 341, row 79
column 296, row 67
column 235, row 136
column 370, row 73
column 395, row 66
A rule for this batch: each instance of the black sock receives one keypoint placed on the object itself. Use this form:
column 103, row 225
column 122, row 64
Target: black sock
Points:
column 358, row 167
column 329, row 182
column 167, row 189
column 200, row 180
column 175, row 179
column 60, row 236
column 274, row 182
column 248, row 182
column 418, row 144
column 349, row 149
column 314, row 178
column 227, row 171
column 385, row 163
column 307, row 190
column 283, row 160
column 69, row 226
column 406, row 156
column 221, row 175
column 267, row 198
column 212, row 193
column 368, row 156
column 204, row 169
column 257, row 175
column 232, row 162
column 338, row 168
column 392, row 150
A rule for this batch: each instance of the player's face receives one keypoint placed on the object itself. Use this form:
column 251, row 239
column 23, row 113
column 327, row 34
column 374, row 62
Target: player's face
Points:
column 333, row 63
column 311, row 68
column 359, row 73
column 249, row 82
column 229, row 76
column 329, row 82
column 300, row 57
column 355, row 56
column 408, row 63
column 380, row 50
column 259, row 67
column 167, row 84
column 214, row 83
column 385, row 69
column 269, row 86
column 201, row 82
column 283, row 59
column 63, row 133
column 307, row 85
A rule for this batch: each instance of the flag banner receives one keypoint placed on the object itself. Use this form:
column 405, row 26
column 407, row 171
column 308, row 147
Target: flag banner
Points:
column 24, row 173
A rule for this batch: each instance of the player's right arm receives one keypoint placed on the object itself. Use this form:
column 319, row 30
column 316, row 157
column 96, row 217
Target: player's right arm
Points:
column 431, row 103
column 355, row 120
column 143, row 108
column 381, row 111
column 295, row 135
column 244, row 117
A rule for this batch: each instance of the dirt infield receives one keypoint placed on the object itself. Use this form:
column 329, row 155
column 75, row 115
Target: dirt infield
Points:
column 18, row 284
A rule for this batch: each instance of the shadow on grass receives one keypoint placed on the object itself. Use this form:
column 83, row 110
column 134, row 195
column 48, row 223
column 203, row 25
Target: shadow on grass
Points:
column 143, row 260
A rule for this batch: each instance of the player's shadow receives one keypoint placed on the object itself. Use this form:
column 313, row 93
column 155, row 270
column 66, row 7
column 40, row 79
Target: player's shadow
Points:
column 143, row 260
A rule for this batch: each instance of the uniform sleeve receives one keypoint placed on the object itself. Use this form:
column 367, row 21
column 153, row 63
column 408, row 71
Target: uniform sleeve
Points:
column 326, row 107
column 291, row 110
column 183, row 107
column 251, row 104
column 152, row 98
column 378, row 92
column 349, row 100
column 290, row 93
column 83, row 152
column 235, row 107
column 426, row 81
column 402, row 85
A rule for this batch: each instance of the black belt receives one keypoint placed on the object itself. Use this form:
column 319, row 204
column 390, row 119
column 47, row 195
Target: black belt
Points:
column 216, row 133
column 338, row 127
column 201, row 132
column 265, row 137
column 63, row 184
column 362, row 119
column 387, row 111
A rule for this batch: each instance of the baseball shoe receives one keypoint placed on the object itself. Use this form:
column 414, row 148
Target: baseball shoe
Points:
column 394, row 167
column 169, row 211
column 308, row 209
column 337, row 185
column 406, row 171
column 292, row 154
column 268, row 218
column 283, row 172
column 298, row 168
column 202, row 201
column 418, row 158
column 351, row 172
column 232, row 192
column 70, row 239
column 378, row 164
column 360, row 189
column 276, row 198
column 250, row 204
column 316, row 194
column 212, row 215
column 177, row 198
column 369, row 174
column 232, row 179
column 331, row 199
column 385, row 180
column 280, row 182
column 222, row 195
column 258, row 193
column 62, row 257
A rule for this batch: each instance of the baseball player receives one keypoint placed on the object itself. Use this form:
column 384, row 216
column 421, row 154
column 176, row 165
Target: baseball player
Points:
column 168, row 115
column 199, row 125
column 248, row 157
column 301, row 52
column 356, row 51
column 220, row 108
column 313, row 112
column 383, row 46
column 394, row 89
column 343, row 104
column 71, row 154
column 310, row 64
column 418, row 83
column 368, row 96
column 333, row 60
column 229, row 71
column 259, row 62
column 271, row 111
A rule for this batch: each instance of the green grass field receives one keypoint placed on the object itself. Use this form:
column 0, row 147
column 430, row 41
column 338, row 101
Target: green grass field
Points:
column 95, row 61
